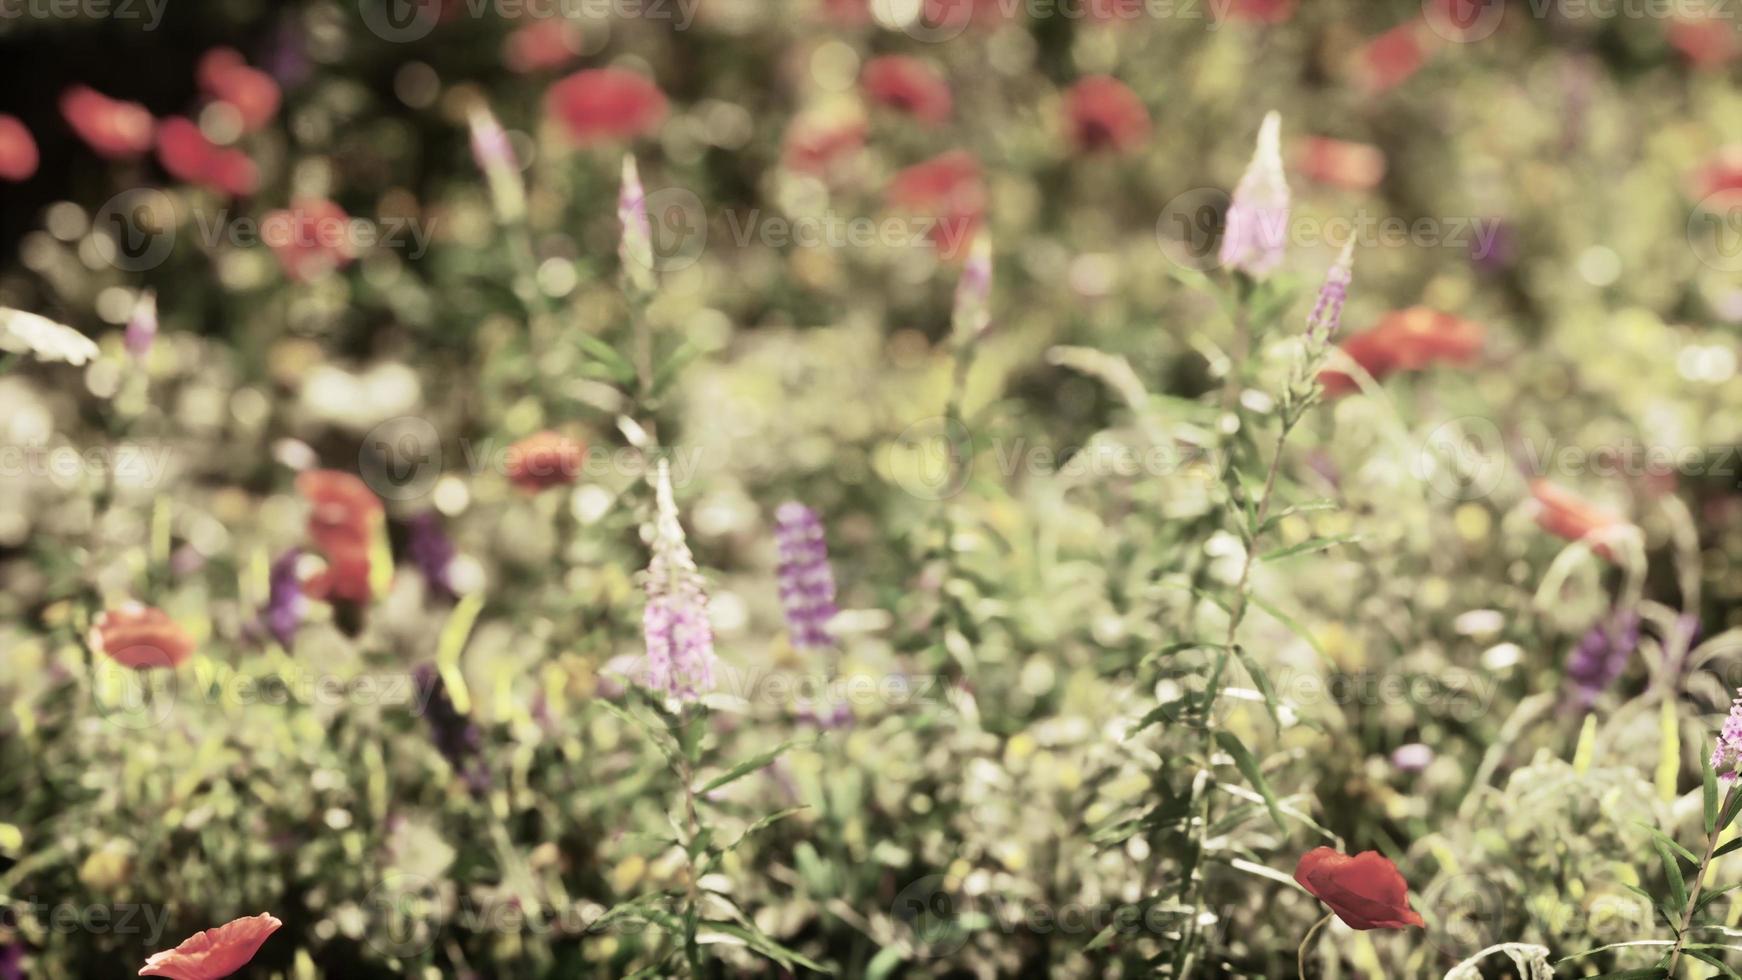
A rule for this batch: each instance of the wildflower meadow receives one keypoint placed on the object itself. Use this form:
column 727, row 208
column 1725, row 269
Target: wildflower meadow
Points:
column 870, row 488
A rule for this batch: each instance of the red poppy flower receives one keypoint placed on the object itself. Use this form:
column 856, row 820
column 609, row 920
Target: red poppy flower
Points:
column 547, row 459
column 817, row 146
column 1391, row 58
column 1708, row 43
column 251, row 92
column 18, row 156
column 1566, row 515
column 1723, row 174
column 113, row 128
column 346, row 577
column 1366, row 891
column 185, row 152
column 1261, row 11
column 545, row 44
column 1339, row 163
column 908, row 85
column 1407, row 340
column 343, row 512
column 605, row 104
column 311, row 238
column 213, row 953
column 948, row 189
column 1101, row 113
column 141, row 637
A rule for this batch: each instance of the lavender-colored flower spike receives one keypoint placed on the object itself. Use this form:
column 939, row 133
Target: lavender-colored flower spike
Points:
column 494, row 155
column 680, row 640
column 973, row 307
column 142, row 326
column 285, row 604
column 1727, row 753
column 1257, row 230
column 432, row 551
column 457, row 737
column 807, row 583
column 635, row 247
column 1601, row 656
column 1327, row 315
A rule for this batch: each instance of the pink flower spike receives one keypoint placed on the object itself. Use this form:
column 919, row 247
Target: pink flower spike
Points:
column 213, row 953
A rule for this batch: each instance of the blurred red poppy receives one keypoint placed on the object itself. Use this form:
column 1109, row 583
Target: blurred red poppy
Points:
column 345, row 578
column 1101, row 113
column 547, row 459
column 113, row 128
column 849, row 13
column 817, row 145
column 1366, row 891
column 140, row 637
column 343, row 511
column 185, row 152
column 254, row 95
column 908, row 85
column 948, row 189
column 543, row 45
column 214, row 953
column 1391, row 58
column 18, row 156
column 1566, row 515
column 1406, row 340
column 1339, row 163
column 311, row 238
column 1723, row 174
column 601, row 104
column 1709, row 44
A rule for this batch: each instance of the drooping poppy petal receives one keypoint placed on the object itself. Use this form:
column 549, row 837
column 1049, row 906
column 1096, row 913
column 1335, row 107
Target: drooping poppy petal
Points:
column 1566, row 515
column 1365, row 891
column 140, row 637
column 601, row 104
column 113, row 128
column 214, row 953
column 817, row 145
column 18, row 156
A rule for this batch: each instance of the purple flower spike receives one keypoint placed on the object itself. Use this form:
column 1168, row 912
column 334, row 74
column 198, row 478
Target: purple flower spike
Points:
column 680, row 640
column 1256, row 235
column 1601, row 656
column 285, row 604
column 807, row 583
column 1727, row 754
column 432, row 551
column 142, row 326
column 457, row 737
column 1327, row 315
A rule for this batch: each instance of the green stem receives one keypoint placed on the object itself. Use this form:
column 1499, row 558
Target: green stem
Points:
column 1681, row 935
column 1306, row 944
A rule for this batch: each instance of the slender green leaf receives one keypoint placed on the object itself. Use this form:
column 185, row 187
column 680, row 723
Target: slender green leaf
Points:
column 747, row 766
column 1672, row 869
column 1248, row 766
